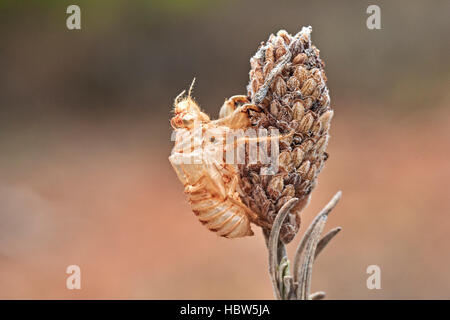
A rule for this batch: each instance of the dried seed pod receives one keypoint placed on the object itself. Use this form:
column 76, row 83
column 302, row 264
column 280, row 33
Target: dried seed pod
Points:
column 275, row 187
column 299, row 110
column 293, row 83
column 285, row 161
column 285, row 35
column 316, row 128
column 297, row 156
column 258, row 75
column 301, row 73
column 288, row 191
column 255, row 85
column 311, row 173
column 285, row 114
column 324, row 99
column 308, row 101
column 322, row 144
column 286, row 99
column 306, row 123
column 281, row 51
column 279, row 87
column 274, row 108
column 269, row 54
column 325, row 118
column 304, row 168
column 308, row 87
column 316, row 93
column 300, row 58
column 307, row 145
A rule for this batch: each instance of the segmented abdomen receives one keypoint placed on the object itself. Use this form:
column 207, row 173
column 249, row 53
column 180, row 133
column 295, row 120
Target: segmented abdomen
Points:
column 222, row 216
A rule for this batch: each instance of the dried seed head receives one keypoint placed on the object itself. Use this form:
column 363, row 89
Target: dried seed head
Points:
column 296, row 100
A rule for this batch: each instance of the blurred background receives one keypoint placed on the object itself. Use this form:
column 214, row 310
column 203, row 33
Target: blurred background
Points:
column 85, row 136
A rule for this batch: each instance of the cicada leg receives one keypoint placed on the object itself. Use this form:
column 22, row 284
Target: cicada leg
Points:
column 229, row 105
column 233, row 196
column 189, row 188
column 239, row 118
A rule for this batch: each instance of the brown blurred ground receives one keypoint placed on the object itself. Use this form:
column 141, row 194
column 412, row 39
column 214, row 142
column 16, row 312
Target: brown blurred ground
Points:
column 84, row 138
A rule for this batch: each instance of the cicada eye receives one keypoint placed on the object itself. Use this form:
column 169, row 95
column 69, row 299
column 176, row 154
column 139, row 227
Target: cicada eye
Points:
column 212, row 139
column 187, row 122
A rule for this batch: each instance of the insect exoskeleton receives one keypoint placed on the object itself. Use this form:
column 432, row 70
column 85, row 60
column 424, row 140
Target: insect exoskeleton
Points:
column 212, row 186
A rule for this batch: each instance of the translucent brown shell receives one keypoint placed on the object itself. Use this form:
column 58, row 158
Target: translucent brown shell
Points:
column 212, row 186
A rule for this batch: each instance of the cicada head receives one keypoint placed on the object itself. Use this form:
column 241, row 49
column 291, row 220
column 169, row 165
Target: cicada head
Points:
column 187, row 113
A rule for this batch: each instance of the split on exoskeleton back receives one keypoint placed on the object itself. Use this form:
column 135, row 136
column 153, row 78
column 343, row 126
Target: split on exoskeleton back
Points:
column 188, row 112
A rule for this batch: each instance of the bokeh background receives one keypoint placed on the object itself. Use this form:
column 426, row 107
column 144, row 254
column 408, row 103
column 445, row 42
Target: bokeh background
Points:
column 85, row 136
